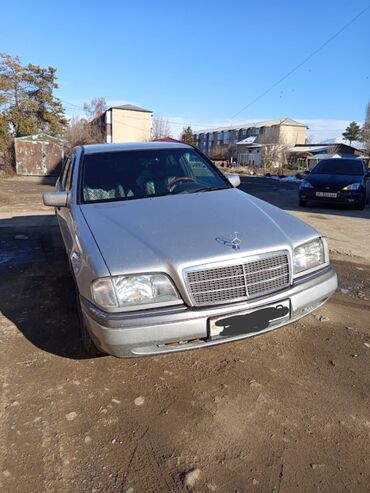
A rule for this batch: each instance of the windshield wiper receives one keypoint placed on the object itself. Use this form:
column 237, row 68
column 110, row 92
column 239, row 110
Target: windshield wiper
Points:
column 203, row 189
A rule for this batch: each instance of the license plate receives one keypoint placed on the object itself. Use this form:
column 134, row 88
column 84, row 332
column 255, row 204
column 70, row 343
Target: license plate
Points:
column 249, row 321
column 327, row 194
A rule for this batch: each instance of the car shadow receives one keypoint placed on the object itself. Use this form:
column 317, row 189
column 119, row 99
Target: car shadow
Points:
column 37, row 290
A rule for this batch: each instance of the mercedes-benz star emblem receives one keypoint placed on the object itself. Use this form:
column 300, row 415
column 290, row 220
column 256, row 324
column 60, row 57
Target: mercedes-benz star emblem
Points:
column 232, row 241
column 236, row 241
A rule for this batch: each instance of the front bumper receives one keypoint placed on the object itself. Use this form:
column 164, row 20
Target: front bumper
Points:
column 182, row 328
column 343, row 196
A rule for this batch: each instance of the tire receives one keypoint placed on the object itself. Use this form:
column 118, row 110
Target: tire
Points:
column 302, row 203
column 87, row 343
column 361, row 205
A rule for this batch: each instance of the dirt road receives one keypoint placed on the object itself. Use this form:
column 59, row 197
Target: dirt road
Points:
column 286, row 411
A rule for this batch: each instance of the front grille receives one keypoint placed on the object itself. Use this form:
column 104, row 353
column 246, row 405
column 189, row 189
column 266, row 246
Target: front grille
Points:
column 244, row 280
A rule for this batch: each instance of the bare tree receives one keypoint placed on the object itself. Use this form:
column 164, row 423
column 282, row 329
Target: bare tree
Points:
column 95, row 108
column 365, row 132
column 223, row 151
column 160, row 128
column 274, row 156
column 274, row 151
column 78, row 132
column 333, row 149
column 94, row 111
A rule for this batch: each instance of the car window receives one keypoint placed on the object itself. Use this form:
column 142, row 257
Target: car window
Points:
column 339, row 167
column 198, row 168
column 123, row 175
column 68, row 180
column 65, row 172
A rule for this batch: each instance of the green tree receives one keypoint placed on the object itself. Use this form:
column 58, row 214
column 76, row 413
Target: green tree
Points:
column 187, row 135
column 27, row 101
column 352, row 132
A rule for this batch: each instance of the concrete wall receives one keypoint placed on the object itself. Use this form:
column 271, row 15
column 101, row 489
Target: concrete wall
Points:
column 131, row 126
column 292, row 135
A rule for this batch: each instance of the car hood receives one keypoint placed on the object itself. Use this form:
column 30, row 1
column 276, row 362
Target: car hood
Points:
column 173, row 232
column 332, row 181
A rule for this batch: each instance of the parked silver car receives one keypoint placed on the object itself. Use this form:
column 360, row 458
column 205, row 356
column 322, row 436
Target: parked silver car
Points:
column 168, row 255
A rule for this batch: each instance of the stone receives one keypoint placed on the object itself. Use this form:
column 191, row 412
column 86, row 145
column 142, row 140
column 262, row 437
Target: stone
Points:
column 71, row 416
column 139, row 401
column 316, row 466
column 191, row 477
column 88, row 440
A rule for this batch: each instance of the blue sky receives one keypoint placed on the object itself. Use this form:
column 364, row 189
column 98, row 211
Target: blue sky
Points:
column 201, row 62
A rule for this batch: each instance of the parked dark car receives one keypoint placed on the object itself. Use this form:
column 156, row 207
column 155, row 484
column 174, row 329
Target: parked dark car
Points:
column 338, row 181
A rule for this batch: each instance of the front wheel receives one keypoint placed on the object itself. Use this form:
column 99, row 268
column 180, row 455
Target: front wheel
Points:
column 302, row 203
column 361, row 205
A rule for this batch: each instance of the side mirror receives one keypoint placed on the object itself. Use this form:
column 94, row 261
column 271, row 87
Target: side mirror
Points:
column 306, row 172
column 55, row 199
column 233, row 178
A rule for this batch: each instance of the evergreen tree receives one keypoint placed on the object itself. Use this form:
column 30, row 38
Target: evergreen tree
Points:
column 187, row 135
column 352, row 132
column 27, row 101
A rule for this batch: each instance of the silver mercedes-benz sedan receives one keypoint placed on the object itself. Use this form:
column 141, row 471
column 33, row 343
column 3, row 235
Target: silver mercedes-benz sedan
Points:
column 167, row 254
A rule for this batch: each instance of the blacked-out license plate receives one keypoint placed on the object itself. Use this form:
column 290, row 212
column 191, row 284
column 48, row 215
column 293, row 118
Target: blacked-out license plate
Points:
column 246, row 322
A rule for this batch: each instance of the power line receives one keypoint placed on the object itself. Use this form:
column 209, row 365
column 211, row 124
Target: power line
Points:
column 305, row 60
column 270, row 88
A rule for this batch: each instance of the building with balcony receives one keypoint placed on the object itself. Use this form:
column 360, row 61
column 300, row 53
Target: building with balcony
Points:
column 223, row 140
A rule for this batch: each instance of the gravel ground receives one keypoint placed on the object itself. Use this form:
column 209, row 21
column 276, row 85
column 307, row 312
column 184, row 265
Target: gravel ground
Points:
column 286, row 411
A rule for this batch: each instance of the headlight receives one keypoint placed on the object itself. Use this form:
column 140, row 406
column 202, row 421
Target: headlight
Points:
column 306, row 184
column 352, row 186
column 310, row 255
column 140, row 289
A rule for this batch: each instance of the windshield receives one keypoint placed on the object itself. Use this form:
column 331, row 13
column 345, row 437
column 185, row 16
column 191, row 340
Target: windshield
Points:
column 124, row 175
column 338, row 167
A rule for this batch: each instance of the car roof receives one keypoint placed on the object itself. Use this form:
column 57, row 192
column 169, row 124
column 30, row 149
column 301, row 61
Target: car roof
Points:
column 341, row 159
column 133, row 146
